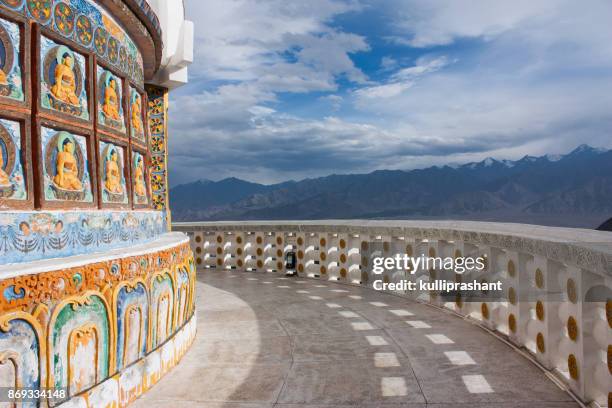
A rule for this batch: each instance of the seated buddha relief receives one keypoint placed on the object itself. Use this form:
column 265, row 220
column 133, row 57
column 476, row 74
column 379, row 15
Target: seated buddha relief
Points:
column 6, row 55
column 112, row 182
column 12, row 175
column 140, row 187
column 11, row 81
column 136, row 110
column 110, row 108
column 67, row 172
column 63, row 79
column 111, row 100
column 3, row 79
column 64, row 87
column 5, row 180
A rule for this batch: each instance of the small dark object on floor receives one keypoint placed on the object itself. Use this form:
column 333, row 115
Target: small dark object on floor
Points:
column 606, row 226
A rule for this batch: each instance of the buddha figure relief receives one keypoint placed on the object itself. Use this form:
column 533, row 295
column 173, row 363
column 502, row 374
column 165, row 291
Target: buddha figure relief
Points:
column 113, row 174
column 136, row 114
column 5, row 180
column 111, row 101
column 64, row 88
column 140, row 187
column 3, row 80
column 67, row 176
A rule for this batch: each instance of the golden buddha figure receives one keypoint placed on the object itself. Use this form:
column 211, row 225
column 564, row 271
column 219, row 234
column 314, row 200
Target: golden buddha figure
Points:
column 4, row 178
column 67, row 176
column 111, row 102
column 136, row 115
column 113, row 174
column 3, row 80
column 65, row 85
column 140, row 187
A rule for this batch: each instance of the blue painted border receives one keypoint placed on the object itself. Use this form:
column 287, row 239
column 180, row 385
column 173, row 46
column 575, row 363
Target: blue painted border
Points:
column 30, row 236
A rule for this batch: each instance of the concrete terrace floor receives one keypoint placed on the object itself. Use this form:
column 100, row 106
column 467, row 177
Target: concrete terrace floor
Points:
column 268, row 341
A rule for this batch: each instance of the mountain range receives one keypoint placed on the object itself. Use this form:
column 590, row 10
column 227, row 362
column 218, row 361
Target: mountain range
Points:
column 573, row 190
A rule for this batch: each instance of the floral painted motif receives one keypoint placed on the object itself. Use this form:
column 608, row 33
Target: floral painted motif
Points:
column 157, row 129
column 40, row 10
column 29, row 236
column 90, row 25
column 113, row 50
column 123, row 59
column 12, row 3
column 84, row 30
column 64, row 18
column 101, row 41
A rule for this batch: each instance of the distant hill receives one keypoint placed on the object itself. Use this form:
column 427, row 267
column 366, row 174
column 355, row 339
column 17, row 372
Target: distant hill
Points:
column 569, row 190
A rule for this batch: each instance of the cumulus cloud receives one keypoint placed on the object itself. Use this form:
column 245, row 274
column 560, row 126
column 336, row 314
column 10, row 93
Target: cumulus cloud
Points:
column 477, row 78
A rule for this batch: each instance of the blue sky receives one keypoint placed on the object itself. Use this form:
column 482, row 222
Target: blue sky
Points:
column 284, row 89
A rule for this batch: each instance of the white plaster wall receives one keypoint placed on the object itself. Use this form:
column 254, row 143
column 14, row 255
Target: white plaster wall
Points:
column 177, row 35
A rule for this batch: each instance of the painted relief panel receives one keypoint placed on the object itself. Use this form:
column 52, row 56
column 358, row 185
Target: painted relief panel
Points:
column 65, row 167
column 29, row 236
column 19, row 356
column 110, row 107
column 12, row 176
column 162, row 303
column 88, row 24
column 81, row 342
column 112, row 160
column 182, row 283
column 136, row 114
column 139, row 179
column 10, row 68
column 132, row 307
column 157, row 108
column 57, row 329
column 63, row 79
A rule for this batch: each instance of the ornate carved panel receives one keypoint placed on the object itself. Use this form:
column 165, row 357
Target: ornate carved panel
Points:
column 112, row 171
column 66, row 166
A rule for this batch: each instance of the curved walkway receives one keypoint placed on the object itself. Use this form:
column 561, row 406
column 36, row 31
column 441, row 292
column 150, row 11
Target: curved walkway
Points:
column 270, row 341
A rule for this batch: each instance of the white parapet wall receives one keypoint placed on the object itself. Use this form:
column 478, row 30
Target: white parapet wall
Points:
column 555, row 303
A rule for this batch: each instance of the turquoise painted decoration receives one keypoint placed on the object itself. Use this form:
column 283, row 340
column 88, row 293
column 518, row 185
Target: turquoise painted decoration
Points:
column 12, row 176
column 11, row 85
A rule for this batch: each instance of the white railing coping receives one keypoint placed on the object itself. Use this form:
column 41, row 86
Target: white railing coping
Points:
column 585, row 248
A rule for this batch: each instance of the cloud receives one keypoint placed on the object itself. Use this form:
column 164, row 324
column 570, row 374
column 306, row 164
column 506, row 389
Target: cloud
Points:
column 388, row 63
column 461, row 81
column 402, row 79
column 383, row 91
column 431, row 23
column 335, row 101
column 424, row 65
column 250, row 40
